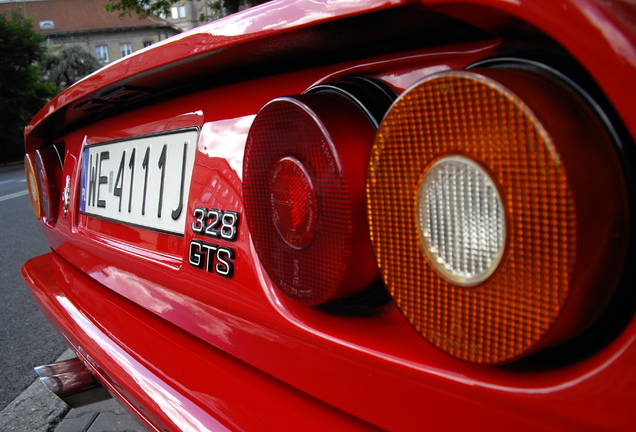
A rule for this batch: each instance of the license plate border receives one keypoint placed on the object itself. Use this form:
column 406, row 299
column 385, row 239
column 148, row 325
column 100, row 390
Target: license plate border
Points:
column 84, row 178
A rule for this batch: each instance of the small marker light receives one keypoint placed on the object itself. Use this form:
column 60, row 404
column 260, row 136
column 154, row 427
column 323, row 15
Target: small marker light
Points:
column 461, row 220
column 294, row 205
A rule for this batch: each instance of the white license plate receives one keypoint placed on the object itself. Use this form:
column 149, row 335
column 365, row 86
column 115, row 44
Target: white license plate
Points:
column 143, row 181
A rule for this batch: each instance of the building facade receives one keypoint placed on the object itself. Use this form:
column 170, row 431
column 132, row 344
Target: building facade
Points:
column 86, row 23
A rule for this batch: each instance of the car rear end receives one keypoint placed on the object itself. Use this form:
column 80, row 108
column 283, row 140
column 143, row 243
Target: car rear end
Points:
column 388, row 215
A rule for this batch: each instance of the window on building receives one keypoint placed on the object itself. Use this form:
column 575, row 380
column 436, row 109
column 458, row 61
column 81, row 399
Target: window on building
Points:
column 147, row 43
column 101, row 52
column 178, row 12
column 125, row 49
column 47, row 25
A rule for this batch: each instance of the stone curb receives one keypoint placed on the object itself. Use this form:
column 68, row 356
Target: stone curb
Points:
column 36, row 409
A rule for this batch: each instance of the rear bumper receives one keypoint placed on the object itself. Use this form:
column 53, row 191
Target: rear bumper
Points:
column 139, row 358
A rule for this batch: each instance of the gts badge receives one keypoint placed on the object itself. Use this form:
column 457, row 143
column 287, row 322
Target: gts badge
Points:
column 219, row 225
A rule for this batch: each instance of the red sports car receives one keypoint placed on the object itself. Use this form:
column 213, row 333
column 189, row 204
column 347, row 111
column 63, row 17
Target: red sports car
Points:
column 350, row 215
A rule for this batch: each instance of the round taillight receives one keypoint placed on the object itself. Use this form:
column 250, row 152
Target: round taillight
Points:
column 44, row 159
column 498, row 212
column 43, row 169
column 303, row 186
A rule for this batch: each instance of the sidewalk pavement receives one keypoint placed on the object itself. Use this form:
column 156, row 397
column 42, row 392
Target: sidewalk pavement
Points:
column 106, row 416
column 37, row 409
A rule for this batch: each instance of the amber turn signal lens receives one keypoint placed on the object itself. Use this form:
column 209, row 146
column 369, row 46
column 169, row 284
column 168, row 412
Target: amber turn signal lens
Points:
column 304, row 194
column 498, row 212
column 32, row 184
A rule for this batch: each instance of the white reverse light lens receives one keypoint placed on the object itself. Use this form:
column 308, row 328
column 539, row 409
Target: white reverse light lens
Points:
column 461, row 220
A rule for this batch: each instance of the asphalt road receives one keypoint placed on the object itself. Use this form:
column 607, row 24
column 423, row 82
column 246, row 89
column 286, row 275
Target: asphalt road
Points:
column 27, row 338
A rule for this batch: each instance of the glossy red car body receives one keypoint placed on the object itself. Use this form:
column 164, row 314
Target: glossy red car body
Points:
column 185, row 349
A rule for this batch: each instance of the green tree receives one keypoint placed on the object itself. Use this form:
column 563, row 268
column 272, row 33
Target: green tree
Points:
column 143, row 8
column 22, row 91
column 68, row 66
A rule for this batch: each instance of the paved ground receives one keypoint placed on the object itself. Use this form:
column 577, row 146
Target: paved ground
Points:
column 38, row 410
column 106, row 416
column 35, row 410
column 27, row 338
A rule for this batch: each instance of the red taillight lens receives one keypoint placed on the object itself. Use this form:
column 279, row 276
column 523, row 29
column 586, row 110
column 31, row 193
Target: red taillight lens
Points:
column 303, row 185
column 43, row 170
column 503, row 194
